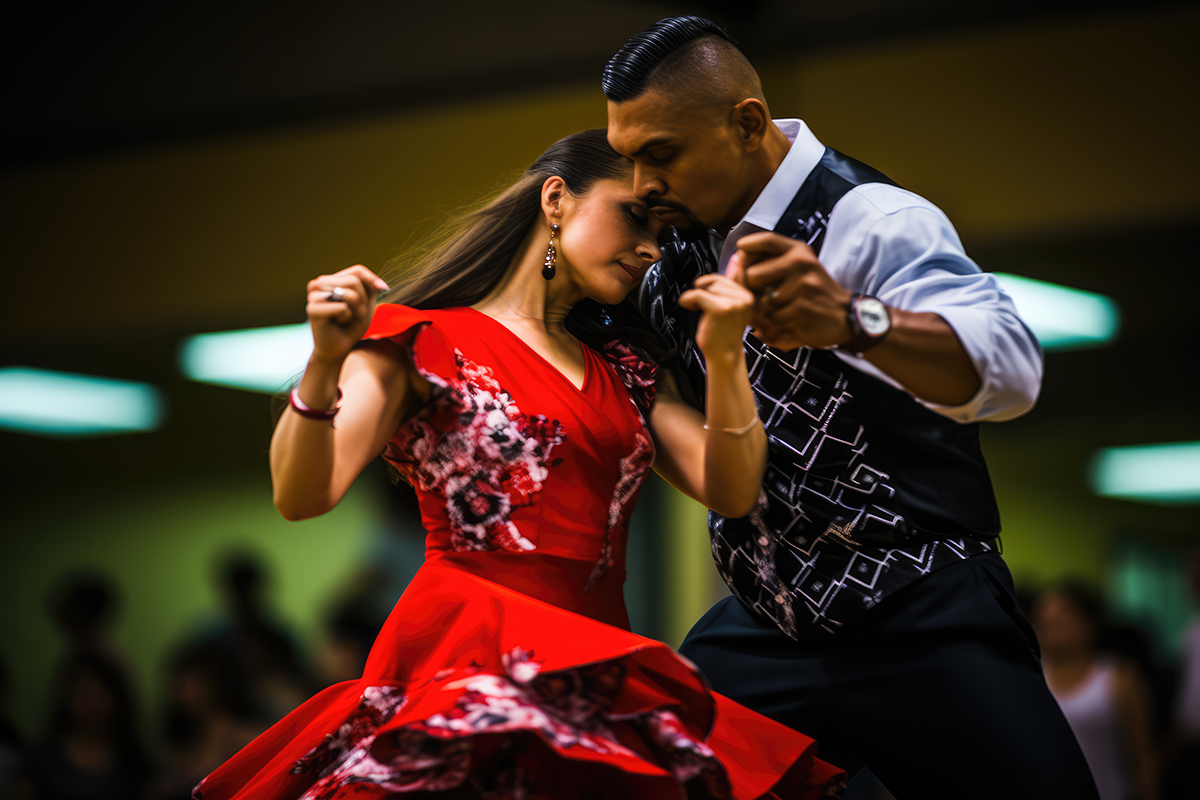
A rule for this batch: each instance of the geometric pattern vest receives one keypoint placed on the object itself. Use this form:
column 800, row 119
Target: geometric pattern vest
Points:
column 866, row 489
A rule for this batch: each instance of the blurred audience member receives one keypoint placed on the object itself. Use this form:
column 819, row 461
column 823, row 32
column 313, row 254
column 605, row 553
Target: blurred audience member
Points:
column 280, row 678
column 352, row 626
column 1105, row 699
column 1182, row 778
column 349, row 637
column 1135, row 643
column 83, row 607
column 12, row 746
column 210, row 713
column 93, row 751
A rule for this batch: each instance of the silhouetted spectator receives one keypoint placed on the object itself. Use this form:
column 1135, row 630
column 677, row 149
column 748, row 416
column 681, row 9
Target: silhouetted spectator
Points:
column 1105, row 699
column 12, row 745
column 280, row 679
column 83, row 606
column 1182, row 777
column 352, row 626
column 93, row 751
column 210, row 713
column 1135, row 644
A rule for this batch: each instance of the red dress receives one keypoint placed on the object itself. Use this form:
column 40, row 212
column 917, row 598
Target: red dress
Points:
column 507, row 669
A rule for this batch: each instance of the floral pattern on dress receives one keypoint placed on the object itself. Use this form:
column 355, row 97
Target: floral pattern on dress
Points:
column 568, row 708
column 474, row 447
column 638, row 373
column 688, row 758
column 345, row 757
column 633, row 470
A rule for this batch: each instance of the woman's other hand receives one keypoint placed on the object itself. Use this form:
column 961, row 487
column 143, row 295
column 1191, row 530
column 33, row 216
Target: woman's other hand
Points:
column 340, row 307
column 718, row 457
column 726, row 308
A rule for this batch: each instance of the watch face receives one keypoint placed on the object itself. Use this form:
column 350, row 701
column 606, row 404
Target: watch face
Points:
column 872, row 316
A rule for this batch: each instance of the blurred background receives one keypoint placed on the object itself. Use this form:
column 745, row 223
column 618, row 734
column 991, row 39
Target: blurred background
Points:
column 178, row 170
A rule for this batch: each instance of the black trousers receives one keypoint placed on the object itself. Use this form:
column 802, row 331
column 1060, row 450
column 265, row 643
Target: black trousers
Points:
column 938, row 690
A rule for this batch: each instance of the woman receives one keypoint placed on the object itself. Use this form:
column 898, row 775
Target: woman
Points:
column 507, row 668
column 1104, row 699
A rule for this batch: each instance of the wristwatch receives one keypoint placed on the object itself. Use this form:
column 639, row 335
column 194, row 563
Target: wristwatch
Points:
column 869, row 320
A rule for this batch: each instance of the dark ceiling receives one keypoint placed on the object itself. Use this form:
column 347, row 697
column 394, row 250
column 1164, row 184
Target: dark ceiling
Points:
column 82, row 79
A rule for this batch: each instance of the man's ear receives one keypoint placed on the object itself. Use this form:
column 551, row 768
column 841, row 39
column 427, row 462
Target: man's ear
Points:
column 751, row 119
column 553, row 191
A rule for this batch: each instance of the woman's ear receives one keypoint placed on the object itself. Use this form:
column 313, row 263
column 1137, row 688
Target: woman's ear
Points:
column 553, row 191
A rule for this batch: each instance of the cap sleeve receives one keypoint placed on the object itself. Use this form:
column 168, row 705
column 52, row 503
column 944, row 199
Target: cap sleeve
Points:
column 637, row 372
column 434, row 358
column 412, row 329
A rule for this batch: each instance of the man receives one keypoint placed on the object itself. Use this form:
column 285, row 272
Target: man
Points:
column 870, row 608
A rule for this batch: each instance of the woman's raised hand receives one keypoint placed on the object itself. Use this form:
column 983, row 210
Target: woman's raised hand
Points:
column 717, row 457
column 340, row 307
column 727, row 307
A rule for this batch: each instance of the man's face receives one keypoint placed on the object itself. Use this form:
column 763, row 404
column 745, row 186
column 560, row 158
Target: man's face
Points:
column 688, row 161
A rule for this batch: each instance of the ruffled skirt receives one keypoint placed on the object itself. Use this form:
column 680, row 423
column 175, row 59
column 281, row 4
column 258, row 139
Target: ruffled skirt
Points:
column 473, row 689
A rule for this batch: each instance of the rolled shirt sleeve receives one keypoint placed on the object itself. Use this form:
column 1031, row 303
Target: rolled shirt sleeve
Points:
column 892, row 244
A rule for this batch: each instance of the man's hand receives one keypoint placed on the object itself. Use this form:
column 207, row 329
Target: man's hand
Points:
column 798, row 303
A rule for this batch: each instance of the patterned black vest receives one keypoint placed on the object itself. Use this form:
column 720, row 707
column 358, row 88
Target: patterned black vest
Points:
column 867, row 489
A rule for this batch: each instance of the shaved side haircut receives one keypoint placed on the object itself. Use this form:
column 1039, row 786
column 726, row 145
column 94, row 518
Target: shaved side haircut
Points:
column 688, row 59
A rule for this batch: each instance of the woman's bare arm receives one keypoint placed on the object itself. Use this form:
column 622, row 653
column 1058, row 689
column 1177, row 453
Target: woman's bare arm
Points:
column 314, row 461
column 721, row 467
column 720, row 470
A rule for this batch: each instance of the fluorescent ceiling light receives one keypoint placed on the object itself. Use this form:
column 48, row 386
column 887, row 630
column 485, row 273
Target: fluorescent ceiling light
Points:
column 1160, row 473
column 1062, row 318
column 258, row 359
column 265, row 359
column 64, row 404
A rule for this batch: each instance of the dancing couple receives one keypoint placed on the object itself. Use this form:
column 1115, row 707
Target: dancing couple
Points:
column 782, row 334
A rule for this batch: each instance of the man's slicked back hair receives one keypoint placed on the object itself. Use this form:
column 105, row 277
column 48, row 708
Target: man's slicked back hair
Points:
column 631, row 71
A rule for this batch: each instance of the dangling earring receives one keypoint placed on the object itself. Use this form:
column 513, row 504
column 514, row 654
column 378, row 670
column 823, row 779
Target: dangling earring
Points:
column 548, row 269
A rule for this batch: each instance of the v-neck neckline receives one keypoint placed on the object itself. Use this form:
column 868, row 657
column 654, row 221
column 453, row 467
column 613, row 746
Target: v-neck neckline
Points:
column 587, row 361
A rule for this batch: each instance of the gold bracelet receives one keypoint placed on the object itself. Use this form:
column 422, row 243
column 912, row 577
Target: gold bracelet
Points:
column 742, row 431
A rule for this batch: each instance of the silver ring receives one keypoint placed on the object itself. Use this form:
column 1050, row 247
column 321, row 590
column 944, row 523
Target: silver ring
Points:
column 336, row 295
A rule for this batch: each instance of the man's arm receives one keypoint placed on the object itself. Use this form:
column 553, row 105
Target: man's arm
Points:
column 955, row 343
column 800, row 305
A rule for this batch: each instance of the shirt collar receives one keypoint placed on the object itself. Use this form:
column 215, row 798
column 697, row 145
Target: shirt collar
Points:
column 777, row 195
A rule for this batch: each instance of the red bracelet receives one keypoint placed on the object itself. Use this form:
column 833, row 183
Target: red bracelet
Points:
column 313, row 413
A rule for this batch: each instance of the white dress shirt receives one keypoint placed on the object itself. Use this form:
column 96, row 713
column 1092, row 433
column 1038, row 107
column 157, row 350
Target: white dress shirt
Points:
column 891, row 244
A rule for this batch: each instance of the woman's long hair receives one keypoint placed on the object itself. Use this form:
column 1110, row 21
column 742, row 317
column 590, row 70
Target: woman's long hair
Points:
column 469, row 255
